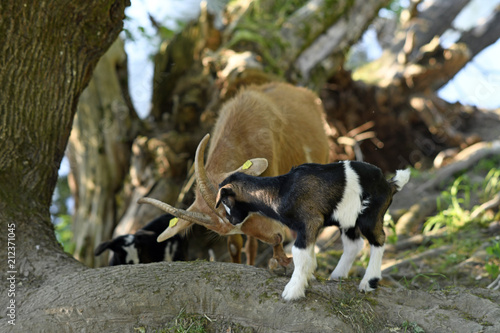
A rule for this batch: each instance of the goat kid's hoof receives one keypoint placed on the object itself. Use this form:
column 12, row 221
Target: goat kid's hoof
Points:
column 337, row 278
column 293, row 292
column 369, row 285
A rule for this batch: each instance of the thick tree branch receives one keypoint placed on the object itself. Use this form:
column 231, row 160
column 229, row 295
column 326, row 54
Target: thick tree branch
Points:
column 433, row 20
column 323, row 53
column 464, row 160
column 237, row 295
column 484, row 35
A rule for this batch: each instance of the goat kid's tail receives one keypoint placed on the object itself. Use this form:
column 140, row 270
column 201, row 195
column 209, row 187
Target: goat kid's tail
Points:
column 400, row 179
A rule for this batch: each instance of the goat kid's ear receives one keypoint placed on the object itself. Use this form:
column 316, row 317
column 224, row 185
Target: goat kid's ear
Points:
column 101, row 248
column 224, row 191
column 113, row 245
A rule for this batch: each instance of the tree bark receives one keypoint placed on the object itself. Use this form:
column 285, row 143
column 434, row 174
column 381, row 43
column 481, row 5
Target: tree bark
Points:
column 229, row 297
column 42, row 75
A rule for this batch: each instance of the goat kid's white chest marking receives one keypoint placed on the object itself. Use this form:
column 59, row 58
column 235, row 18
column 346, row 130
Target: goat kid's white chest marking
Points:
column 351, row 205
column 131, row 250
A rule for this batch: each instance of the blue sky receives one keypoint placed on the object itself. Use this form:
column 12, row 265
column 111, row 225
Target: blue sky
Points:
column 478, row 83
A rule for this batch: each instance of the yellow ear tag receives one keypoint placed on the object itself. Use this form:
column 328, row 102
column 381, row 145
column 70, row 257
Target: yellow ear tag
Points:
column 247, row 165
column 173, row 222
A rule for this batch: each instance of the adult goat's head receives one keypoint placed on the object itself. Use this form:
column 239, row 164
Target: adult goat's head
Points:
column 203, row 210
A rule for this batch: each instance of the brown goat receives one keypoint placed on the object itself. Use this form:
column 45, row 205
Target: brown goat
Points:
column 276, row 124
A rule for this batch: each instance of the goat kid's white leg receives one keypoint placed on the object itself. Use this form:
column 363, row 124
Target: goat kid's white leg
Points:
column 304, row 261
column 351, row 250
column 373, row 271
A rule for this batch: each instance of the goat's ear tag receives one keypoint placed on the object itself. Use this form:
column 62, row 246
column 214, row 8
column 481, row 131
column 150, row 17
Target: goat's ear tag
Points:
column 173, row 222
column 247, row 165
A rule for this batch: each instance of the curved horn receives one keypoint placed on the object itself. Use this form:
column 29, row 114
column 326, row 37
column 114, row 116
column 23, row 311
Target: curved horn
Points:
column 207, row 190
column 186, row 218
column 193, row 217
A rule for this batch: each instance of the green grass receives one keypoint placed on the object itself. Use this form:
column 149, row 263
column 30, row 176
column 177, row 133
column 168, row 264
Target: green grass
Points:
column 493, row 265
column 411, row 327
column 355, row 309
column 491, row 184
column 452, row 207
column 186, row 323
column 432, row 280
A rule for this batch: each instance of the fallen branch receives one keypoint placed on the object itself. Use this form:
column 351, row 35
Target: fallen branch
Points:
column 398, row 264
column 405, row 244
column 464, row 160
column 487, row 205
column 416, row 215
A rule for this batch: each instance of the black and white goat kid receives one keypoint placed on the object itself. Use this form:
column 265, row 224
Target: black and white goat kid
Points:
column 142, row 247
column 351, row 195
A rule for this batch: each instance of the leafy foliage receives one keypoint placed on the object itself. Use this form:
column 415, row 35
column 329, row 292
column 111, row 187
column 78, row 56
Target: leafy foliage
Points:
column 493, row 266
column 451, row 206
column 61, row 215
column 64, row 233
column 392, row 237
column 411, row 327
column 491, row 184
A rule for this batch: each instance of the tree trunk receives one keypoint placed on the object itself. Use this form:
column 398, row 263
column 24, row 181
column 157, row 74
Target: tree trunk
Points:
column 99, row 154
column 43, row 75
column 49, row 51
